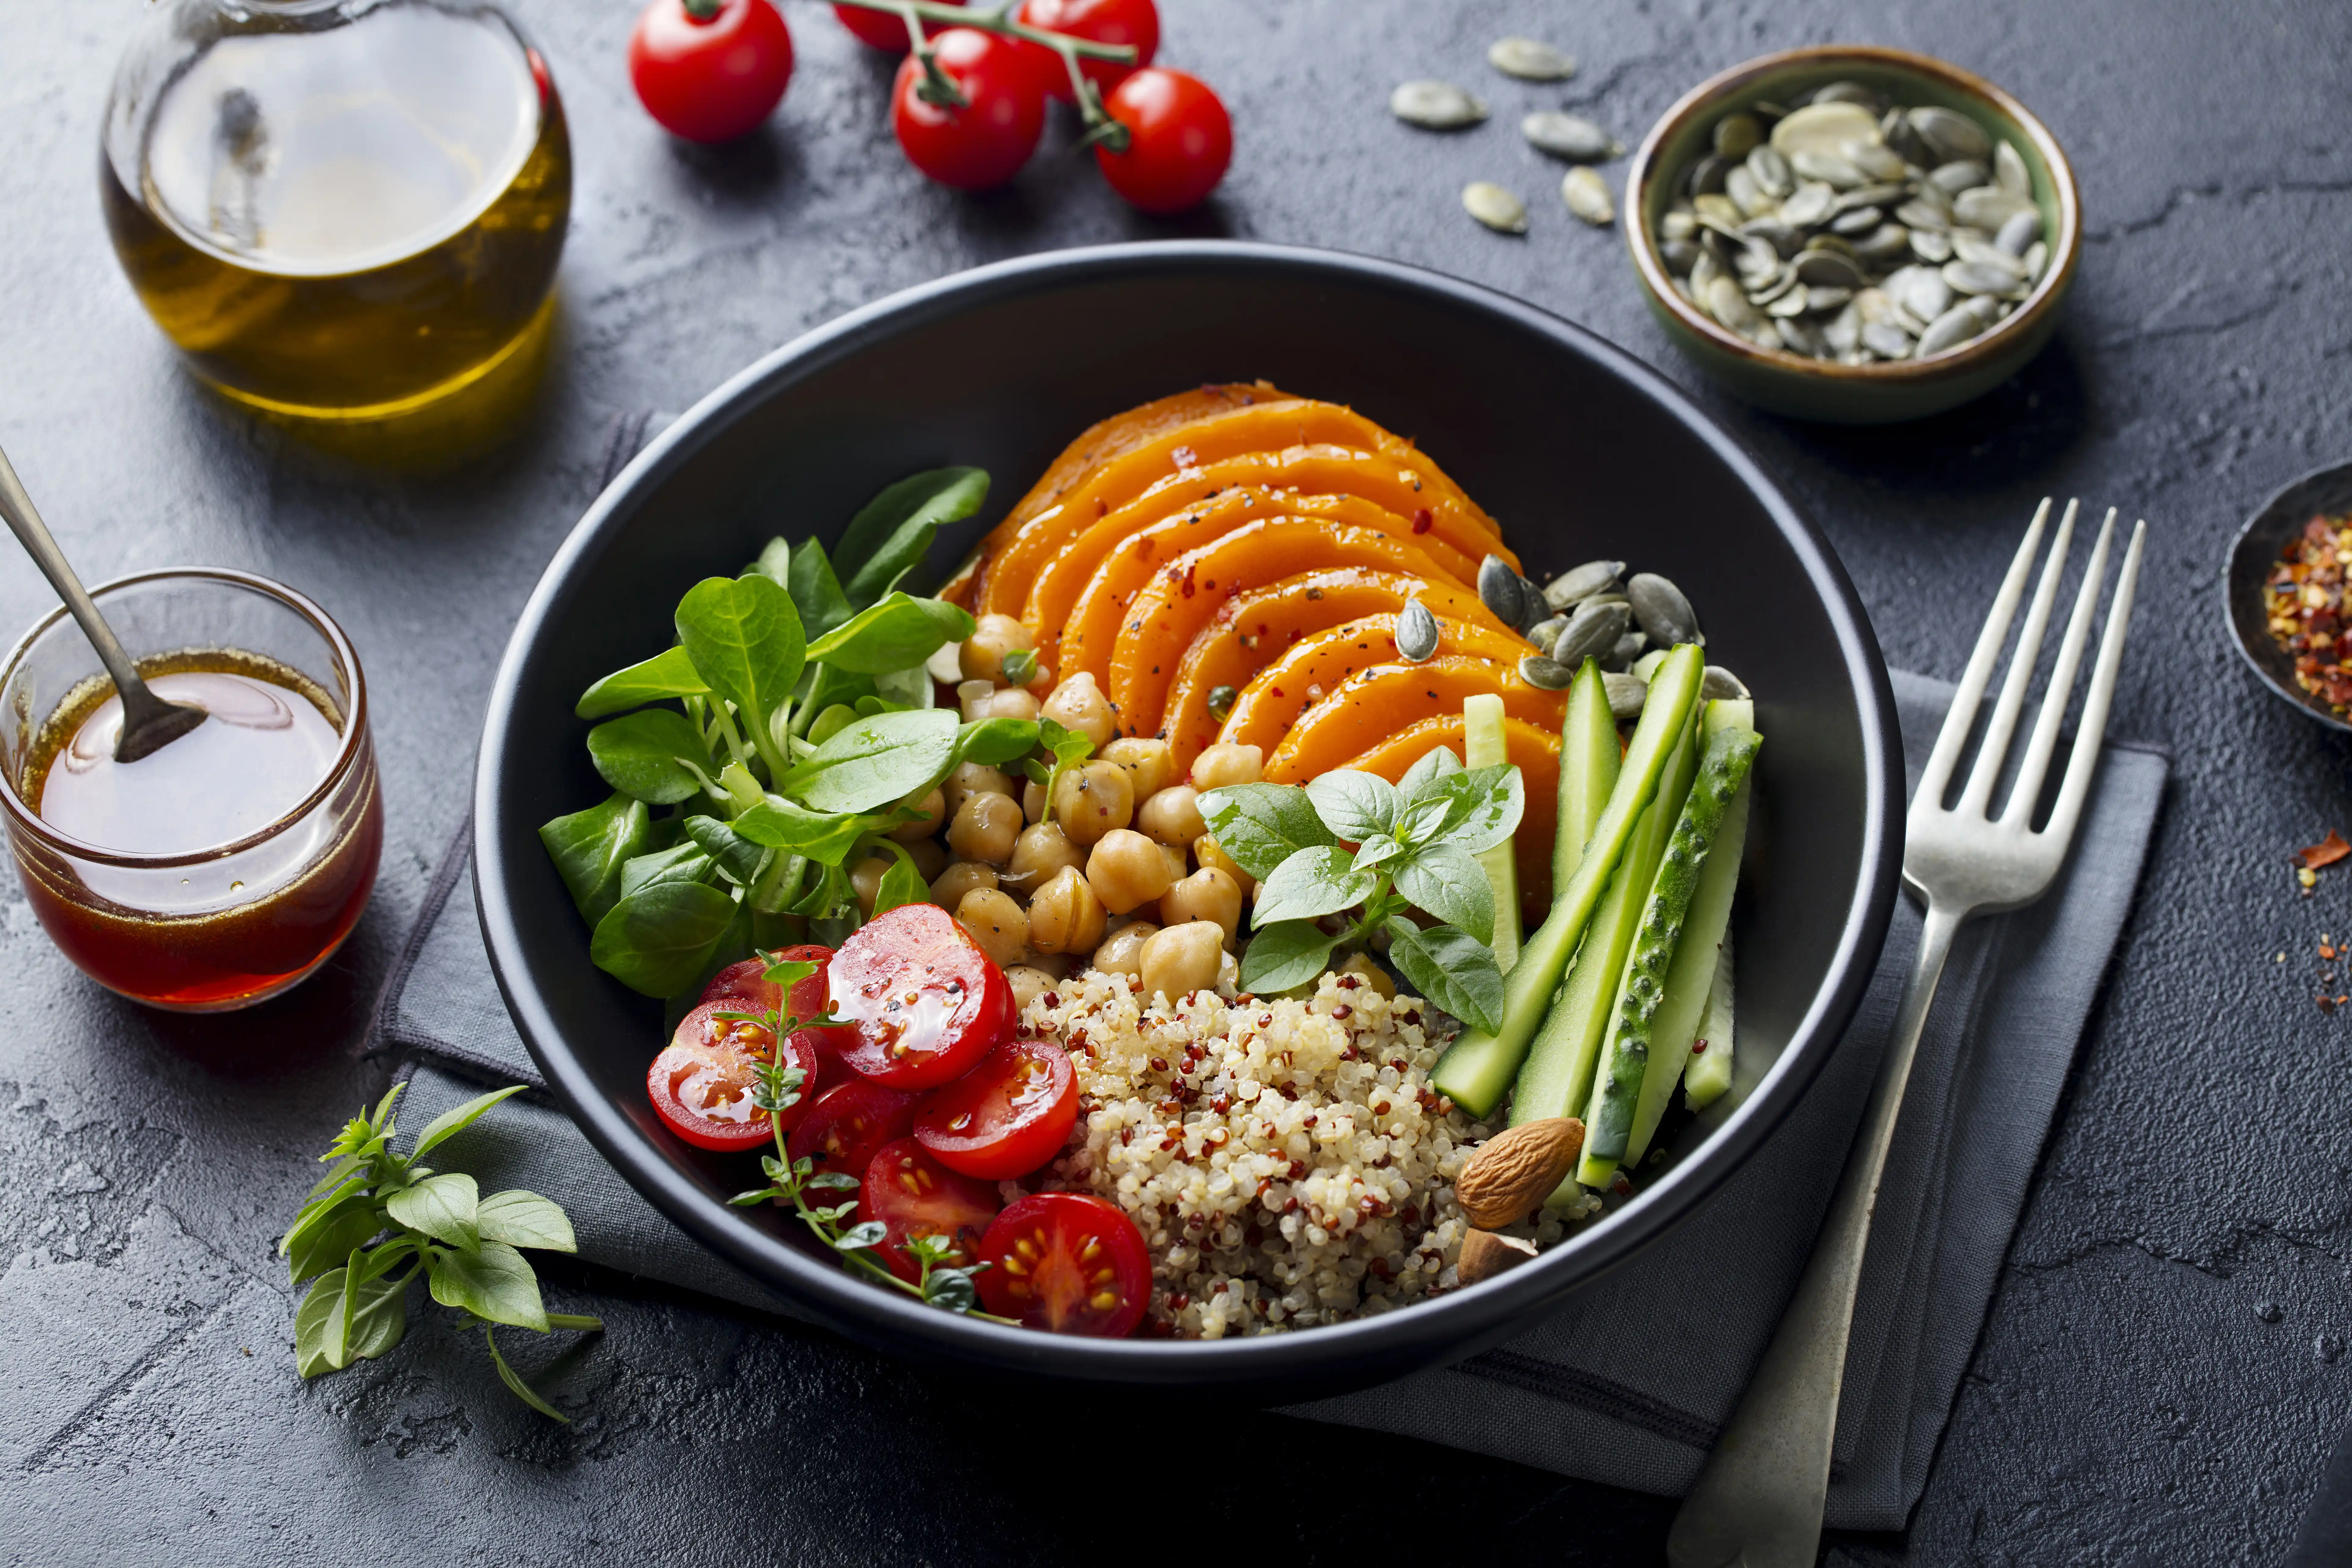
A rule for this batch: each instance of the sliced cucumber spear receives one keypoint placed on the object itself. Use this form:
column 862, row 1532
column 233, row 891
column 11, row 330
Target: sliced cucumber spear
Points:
column 1485, row 745
column 1588, row 755
column 1617, row 1085
column 1709, row 1073
column 1479, row 1067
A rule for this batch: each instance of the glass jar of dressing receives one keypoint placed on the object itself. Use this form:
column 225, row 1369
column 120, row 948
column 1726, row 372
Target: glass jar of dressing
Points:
column 339, row 209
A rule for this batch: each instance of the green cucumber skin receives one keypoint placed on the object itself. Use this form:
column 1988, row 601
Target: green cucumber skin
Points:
column 1483, row 745
column 1707, row 1077
column 1479, row 1067
column 1616, row 1090
column 1589, row 759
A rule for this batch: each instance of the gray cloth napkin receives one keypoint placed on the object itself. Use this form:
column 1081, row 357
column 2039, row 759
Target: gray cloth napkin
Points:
column 1577, row 1395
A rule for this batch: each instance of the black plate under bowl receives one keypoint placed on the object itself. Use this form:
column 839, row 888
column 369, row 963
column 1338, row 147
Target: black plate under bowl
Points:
column 2320, row 492
column 1580, row 451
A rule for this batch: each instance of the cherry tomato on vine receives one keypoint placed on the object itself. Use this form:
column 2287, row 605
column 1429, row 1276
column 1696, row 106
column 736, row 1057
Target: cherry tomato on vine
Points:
column 849, row 1123
column 702, row 1083
column 1068, row 1262
column 925, row 1001
column 881, row 29
column 984, row 143
column 1180, row 140
column 710, row 71
column 913, row 1194
column 1005, row 1117
column 1135, row 22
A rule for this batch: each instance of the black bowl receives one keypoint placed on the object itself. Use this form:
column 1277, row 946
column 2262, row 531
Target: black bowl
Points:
column 1578, row 449
column 2321, row 491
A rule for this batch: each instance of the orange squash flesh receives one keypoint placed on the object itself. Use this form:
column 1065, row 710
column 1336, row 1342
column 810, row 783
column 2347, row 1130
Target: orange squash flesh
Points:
column 1174, row 607
column 1253, row 629
column 1378, row 700
column 1282, row 693
column 1534, row 749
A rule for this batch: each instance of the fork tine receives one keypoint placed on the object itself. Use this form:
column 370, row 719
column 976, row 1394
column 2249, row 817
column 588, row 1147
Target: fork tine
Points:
column 2036, row 766
column 1954, row 735
column 1995, row 750
column 2093, row 730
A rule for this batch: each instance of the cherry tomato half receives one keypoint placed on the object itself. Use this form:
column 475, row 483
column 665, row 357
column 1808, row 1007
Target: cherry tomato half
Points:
column 1180, row 140
column 710, row 79
column 1005, row 1117
column 1135, row 22
column 849, row 1123
column 985, row 142
column 880, row 29
column 925, row 1001
column 702, row 1083
column 914, row 1194
column 1067, row 1262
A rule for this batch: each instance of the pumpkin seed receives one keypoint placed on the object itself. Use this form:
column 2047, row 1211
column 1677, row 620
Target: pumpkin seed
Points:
column 1679, row 255
column 1824, row 128
column 1860, row 220
column 1954, row 326
column 1888, row 242
column 1706, row 175
column 1587, row 196
column 1771, row 172
column 1894, row 130
column 1582, row 583
column 1988, row 207
column 1495, row 206
column 1966, row 247
column 2009, row 173
column 1820, row 298
column 1594, row 629
column 1950, row 133
column 1567, row 136
column 1680, row 222
column 1915, row 213
column 1886, row 340
column 1783, row 240
column 1830, row 168
column 1799, row 336
column 1844, row 332
column 1921, row 290
column 1533, row 608
column 1661, row 611
column 1718, row 684
column 1626, row 694
column 1530, row 60
column 1976, row 278
column 1721, row 208
column 1703, row 272
column 1796, row 301
column 1220, row 703
column 1951, row 179
column 1809, row 203
column 1931, row 246
column 2018, row 234
column 1827, row 266
column 1727, row 305
column 1873, row 158
column 1545, row 674
column 1852, row 93
column 1628, row 649
column 1416, row 632
column 2037, row 258
column 1498, row 590
column 1744, row 193
column 1436, row 105
column 1546, row 632
column 1737, row 134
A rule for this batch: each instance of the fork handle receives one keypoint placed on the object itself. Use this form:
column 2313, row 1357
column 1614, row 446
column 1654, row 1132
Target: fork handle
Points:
column 1758, row 1502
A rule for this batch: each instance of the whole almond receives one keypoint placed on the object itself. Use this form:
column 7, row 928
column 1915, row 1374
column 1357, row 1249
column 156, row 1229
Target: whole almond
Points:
column 1511, row 1174
column 1485, row 1255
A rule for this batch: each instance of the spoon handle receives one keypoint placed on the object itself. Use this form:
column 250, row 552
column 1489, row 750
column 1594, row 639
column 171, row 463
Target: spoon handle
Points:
column 26, row 523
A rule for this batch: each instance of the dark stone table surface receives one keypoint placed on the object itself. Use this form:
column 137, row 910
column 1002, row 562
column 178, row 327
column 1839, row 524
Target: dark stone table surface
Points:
column 2161, row 1379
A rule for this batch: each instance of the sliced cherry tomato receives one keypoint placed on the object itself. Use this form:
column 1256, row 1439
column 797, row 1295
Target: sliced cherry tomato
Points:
column 702, row 1083
column 1005, row 1117
column 926, row 1003
column 711, row 77
column 1135, row 22
column 880, row 29
column 913, row 1194
column 984, row 143
column 749, row 982
column 1180, row 140
column 849, row 1123
column 1067, row 1262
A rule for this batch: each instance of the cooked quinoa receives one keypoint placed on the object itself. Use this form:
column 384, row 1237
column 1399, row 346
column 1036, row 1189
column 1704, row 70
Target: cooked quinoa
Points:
column 1286, row 1160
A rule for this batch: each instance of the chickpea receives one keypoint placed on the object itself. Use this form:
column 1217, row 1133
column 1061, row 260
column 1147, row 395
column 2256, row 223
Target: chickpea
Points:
column 974, row 778
column 1146, row 762
column 1172, row 815
column 1033, row 801
column 1064, row 915
column 981, row 657
column 1053, row 965
column 1371, row 974
column 1121, row 951
column 972, row 698
column 1225, row 765
column 1041, row 851
column 930, row 857
column 865, row 880
column 1206, row 850
column 1079, row 704
column 1127, row 870
column 1091, row 800
column 984, row 828
column 1181, row 958
column 934, row 811
column 1009, row 703
column 996, row 923
column 1208, row 894
column 1028, row 983
column 950, row 887
column 1178, row 866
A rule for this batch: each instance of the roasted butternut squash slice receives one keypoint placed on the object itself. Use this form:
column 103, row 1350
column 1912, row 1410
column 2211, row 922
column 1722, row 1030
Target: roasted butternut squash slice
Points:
column 1179, row 600
column 1314, row 666
column 1535, row 749
column 1380, row 700
column 1253, row 629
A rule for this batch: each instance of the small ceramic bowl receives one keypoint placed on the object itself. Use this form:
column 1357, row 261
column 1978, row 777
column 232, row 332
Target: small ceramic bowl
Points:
column 1876, row 394
column 2322, row 492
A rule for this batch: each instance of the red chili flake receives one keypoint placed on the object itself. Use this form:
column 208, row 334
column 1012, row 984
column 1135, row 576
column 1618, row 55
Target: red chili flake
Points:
column 2326, row 1003
column 1276, row 690
column 2326, row 951
column 1423, row 519
column 1145, row 544
column 1102, row 507
column 2327, row 852
column 1619, row 1186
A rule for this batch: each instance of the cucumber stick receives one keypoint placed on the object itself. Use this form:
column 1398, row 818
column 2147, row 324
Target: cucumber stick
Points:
column 1479, row 1067
column 1709, row 1073
column 1589, row 756
column 1624, row 1061
column 1483, row 746
column 1690, row 977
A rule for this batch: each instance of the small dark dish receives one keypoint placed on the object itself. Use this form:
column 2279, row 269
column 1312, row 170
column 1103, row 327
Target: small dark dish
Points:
column 2252, row 558
column 1581, row 452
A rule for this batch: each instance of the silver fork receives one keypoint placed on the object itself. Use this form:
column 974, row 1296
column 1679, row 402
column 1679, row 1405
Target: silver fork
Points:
column 1758, row 1502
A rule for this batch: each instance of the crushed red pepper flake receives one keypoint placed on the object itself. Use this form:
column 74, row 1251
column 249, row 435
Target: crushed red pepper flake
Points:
column 2304, row 601
column 2327, row 852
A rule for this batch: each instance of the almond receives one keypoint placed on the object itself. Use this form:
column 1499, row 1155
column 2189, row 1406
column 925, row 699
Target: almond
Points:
column 1485, row 1255
column 1511, row 1174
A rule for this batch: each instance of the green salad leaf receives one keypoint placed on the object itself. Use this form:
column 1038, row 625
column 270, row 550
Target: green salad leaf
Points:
column 875, row 762
column 893, row 532
column 656, row 940
column 669, row 673
column 589, row 848
column 899, row 633
column 644, row 755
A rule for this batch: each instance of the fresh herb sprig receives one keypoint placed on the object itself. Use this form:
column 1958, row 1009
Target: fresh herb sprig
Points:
column 378, row 1219
column 1415, row 845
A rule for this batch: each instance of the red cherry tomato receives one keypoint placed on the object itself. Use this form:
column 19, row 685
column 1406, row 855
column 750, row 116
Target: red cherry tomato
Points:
column 1005, row 1117
column 914, row 1194
column 849, row 1123
column 702, row 1083
column 1180, row 140
column 1135, row 22
column 880, row 29
column 1068, row 1262
column 748, row 982
column 985, row 142
column 710, row 80
column 926, row 1003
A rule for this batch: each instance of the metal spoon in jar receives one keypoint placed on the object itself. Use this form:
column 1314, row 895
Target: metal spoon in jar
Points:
column 149, row 722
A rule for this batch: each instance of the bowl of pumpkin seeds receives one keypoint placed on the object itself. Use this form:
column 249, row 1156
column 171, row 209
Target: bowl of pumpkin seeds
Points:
column 1854, row 234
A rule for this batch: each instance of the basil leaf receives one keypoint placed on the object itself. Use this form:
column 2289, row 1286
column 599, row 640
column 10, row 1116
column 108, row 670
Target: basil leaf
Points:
column 901, row 883
column 339, row 1323
column 1445, row 879
column 736, row 856
column 681, row 863
column 744, row 636
column 1376, row 851
column 1482, row 806
column 667, row 674
column 1261, row 824
column 638, row 755
column 515, row 1385
column 379, row 1318
column 1451, row 968
column 654, row 941
column 589, row 848
column 494, row 1284
column 442, row 1206
column 816, row 592
column 899, row 632
column 996, row 741
column 315, row 1247
column 1439, row 762
column 870, row 1234
column 1354, row 805
column 822, row 836
column 1310, row 883
column 319, row 1343
column 1286, row 955
column 525, row 1219
column 875, row 762
column 894, row 531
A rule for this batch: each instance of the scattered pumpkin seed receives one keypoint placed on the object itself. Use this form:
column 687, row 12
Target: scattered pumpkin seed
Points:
column 1495, row 207
column 1587, row 195
column 1545, row 674
column 1582, row 583
column 1416, row 632
column 1565, row 135
column 1220, row 703
column 1436, row 105
column 1499, row 591
column 2009, row 173
column 1591, row 632
column 1627, row 693
column 1950, row 133
column 1662, row 610
column 1719, row 683
column 1530, row 60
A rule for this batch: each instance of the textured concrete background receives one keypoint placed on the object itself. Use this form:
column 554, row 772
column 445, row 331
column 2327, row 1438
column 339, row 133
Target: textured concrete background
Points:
column 2160, row 1378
